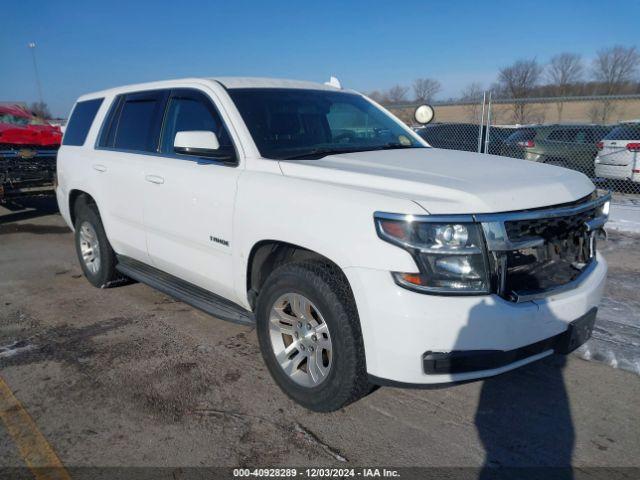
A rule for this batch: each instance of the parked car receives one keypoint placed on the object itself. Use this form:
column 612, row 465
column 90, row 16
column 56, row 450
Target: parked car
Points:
column 28, row 147
column 362, row 256
column 20, row 127
column 619, row 153
column 570, row 146
column 463, row 136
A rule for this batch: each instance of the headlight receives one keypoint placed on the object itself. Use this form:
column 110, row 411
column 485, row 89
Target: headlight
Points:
column 450, row 255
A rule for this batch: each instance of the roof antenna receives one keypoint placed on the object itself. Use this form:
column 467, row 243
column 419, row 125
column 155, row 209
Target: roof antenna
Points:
column 333, row 82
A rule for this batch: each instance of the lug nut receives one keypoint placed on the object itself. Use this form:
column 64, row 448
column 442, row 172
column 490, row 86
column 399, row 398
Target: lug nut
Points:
column 308, row 326
column 302, row 348
column 295, row 334
column 299, row 324
column 314, row 338
column 311, row 348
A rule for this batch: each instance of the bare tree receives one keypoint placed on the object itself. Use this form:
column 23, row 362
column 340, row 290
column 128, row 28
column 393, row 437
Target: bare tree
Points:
column 563, row 71
column 517, row 81
column 397, row 94
column 40, row 109
column 425, row 89
column 614, row 68
column 378, row 96
column 472, row 93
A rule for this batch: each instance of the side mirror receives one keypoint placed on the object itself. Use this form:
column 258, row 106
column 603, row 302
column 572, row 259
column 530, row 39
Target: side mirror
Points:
column 197, row 142
column 424, row 114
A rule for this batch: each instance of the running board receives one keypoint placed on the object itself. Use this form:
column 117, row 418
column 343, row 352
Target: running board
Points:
column 184, row 291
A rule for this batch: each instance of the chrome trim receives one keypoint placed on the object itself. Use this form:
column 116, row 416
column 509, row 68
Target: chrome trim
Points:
column 529, row 296
column 543, row 213
column 37, row 154
column 596, row 223
column 495, row 234
column 408, row 217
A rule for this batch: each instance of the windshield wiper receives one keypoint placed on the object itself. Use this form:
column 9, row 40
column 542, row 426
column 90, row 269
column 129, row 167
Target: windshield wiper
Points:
column 318, row 153
column 394, row 145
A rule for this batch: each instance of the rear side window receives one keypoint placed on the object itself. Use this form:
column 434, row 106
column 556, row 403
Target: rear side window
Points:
column 134, row 122
column 624, row 132
column 80, row 122
column 559, row 136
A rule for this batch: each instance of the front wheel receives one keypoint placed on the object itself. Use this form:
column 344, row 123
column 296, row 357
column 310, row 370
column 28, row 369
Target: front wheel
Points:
column 309, row 335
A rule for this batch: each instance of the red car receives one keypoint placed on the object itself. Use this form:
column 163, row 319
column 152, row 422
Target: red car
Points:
column 28, row 148
column 20, row 128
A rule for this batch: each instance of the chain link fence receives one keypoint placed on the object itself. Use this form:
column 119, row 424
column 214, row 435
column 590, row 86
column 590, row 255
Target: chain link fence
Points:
column 598, row 136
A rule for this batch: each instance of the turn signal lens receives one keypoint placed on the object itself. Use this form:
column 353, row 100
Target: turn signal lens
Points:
column 395, row 229
column 414, row 278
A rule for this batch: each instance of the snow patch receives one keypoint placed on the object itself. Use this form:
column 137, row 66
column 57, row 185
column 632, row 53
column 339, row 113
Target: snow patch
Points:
column 624, row 216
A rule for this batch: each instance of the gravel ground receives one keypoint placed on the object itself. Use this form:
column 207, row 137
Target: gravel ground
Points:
column 129, row 377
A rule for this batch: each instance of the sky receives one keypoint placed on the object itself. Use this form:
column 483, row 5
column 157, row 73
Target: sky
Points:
column 84, row 46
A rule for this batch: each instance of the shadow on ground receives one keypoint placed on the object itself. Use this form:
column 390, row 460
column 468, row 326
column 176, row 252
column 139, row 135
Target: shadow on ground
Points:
column 27, row 209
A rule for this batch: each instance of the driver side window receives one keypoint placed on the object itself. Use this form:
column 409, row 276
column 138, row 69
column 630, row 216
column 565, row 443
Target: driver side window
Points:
column 192, row 111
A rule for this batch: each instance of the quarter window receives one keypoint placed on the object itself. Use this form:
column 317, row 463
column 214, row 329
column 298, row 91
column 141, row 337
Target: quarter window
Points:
column 80, row 122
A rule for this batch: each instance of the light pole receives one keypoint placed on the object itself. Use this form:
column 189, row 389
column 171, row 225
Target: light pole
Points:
column 32, row 47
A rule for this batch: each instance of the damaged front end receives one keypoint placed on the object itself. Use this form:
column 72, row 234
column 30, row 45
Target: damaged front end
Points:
column 27, row 171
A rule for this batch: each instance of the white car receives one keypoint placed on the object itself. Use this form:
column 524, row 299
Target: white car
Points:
column 619, row 153
column 362, row 256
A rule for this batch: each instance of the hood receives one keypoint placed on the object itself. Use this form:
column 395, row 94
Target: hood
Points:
column 448, row 181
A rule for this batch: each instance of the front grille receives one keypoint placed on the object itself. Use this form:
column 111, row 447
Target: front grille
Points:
column 17, row 171
column 548, row 228
column 560, row 259
column 538, row 252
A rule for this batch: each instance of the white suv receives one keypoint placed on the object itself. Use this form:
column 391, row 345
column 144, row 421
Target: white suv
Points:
column 362, row 256
column 619, row 153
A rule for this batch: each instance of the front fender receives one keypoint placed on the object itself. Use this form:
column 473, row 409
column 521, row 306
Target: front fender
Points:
column 332, row 220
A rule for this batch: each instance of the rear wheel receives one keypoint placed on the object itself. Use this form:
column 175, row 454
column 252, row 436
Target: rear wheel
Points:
column 97, row 258
column 309, row 335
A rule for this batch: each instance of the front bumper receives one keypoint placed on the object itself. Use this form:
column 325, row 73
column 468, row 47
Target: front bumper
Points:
column 462, row 361
column 399, row 326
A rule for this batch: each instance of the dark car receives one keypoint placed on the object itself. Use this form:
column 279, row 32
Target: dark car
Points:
column 463, row 136
column 570, row 146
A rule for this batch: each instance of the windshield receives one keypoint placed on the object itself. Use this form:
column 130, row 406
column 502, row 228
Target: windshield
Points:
column 295, row 124
column 16, row 120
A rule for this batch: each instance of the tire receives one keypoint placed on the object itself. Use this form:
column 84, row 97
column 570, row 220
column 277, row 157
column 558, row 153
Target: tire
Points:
column 98, row 264
column 331, row 303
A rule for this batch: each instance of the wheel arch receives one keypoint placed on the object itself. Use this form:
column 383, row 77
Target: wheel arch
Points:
column 79, row 197
column 267, row 255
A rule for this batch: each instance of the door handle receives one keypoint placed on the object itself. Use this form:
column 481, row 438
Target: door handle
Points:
column 154, row 179
column 99, row 168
